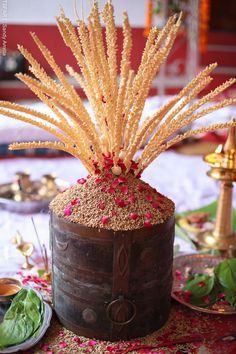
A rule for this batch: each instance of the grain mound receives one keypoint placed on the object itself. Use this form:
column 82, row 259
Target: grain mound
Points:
column 114, row 203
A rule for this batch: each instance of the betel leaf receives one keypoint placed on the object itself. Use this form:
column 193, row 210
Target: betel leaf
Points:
column 207, row 300
column 230, row 296
column 226, row 274
column 199, row 285
column 22, row 319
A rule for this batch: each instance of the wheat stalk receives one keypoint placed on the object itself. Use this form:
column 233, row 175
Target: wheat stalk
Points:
column 117, row 103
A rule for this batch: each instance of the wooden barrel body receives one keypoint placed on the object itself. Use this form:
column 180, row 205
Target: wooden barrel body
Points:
column 108, row 284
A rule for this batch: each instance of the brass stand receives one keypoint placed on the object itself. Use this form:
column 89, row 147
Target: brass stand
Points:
column 223, row 168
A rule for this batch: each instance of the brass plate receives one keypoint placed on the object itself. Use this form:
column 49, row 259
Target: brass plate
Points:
column 197, row 263
column 36, row 202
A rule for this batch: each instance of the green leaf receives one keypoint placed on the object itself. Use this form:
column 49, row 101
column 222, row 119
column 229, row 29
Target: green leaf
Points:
column 226, row 274
column 22, row 319
column 207, row 300
column 199, row 285
column 230, row 296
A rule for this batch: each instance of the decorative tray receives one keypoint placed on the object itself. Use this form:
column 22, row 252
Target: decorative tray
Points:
column 26, row 196
column 29, row 343
column 192, row 264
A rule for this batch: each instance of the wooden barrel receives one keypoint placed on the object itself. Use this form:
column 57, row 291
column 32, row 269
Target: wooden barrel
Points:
column 108, row 284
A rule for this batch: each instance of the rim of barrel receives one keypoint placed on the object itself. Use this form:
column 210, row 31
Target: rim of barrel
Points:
column 91, row 232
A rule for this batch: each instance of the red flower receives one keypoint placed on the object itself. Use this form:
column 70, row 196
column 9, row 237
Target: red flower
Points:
column 141, row 187
column 122, row 179
column 67, row 210
column 91, row 343
column 134, row 165
column 149, row 198
column 201, row 284
column 101, row 205
column 120, row 202
column 133, row 216
column 206, row 299
column 149, row 215
column 98, row 181
column 115, row 183
column 104, row 190
column 178, row 273
column 104, row 219
column 81, row 180
column 131, row 199
column 77, row 340
column 109, row 175
column 63, row 344
column 147, row 223
column 155, row 205
column 186, row 295
column 75, row 201
column 111, row 190
column 124, row 189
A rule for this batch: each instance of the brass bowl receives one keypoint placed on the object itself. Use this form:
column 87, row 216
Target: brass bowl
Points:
column 9, row 287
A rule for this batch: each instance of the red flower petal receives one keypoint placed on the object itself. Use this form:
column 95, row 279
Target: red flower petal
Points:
column 97, row 171
column 109, row 176
column 147, row 223
column 115, row 183
column 104, row 219
column 206, row 299
column 77, row 340
column 67, row 211
column 81, row 180
column 122, row 179
column 178, row 272
column 101, row 206
column 63, row 344
column 75, row 201
column 111, row 190
column 104, row 190
column 91, row 343
column 133, row 216
column 149, row 198
column 120, row 202
column 45, row 347
column 134, row 165
column 124, row 189
column 141, row 187
column 89, row 176
column 98, row 181
column 155, row 205
column 131, row 199
column 149, row 215
column 201, row 284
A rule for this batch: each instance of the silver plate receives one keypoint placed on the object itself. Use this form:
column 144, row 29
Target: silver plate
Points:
column 29, row 343
column 198, row 263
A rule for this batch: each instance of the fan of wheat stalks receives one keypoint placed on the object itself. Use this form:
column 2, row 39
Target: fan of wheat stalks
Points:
column 117, row 103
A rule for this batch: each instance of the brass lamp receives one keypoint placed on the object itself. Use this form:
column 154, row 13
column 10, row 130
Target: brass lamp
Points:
column 223, row 168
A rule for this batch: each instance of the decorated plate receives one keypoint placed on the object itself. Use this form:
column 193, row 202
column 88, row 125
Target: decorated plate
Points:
column 34, row 204
column 29, row 343
column 186, row 265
